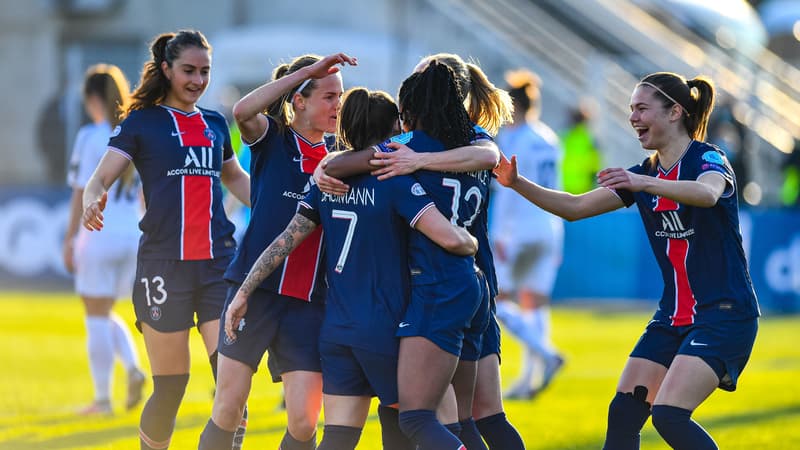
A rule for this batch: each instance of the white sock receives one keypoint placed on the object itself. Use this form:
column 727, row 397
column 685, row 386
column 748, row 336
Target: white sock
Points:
column 541, row 317
column 101, row 355
column 124, row 346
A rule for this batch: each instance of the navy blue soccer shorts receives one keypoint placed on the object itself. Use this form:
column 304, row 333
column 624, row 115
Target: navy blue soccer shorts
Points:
column 490, row 343
column 351, row 371
column 473, row 336
column 285, row 326
column 442, row 312
column 168, row 293
column 725, row 346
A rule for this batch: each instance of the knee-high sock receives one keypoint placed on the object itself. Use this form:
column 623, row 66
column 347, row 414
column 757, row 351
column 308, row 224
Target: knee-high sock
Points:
column 158, row 415
column 391, row 434
column 627, row 414
column 124, row 346
column 421, row 426
column 499, row 434
column 101, row 355
column 215, row 438
column 339, row 437
column 290, row 443
column 470, row 435
column 676, row 426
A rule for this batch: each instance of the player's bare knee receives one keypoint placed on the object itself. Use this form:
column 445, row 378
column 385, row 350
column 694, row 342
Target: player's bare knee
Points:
column 301, row 426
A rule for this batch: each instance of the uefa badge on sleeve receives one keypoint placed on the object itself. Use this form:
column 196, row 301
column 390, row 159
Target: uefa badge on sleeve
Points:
column 155, row 313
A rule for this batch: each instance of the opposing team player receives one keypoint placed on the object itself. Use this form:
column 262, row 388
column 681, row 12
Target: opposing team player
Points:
column 527, row 242
column 701, row 336
column 365, row 229
column 104, row 264
column 181, row 153
column 286, row 144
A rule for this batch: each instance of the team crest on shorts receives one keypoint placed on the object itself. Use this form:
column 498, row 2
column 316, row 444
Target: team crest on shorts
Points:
column 209, row 134
column 228, row 340
column 155, row 313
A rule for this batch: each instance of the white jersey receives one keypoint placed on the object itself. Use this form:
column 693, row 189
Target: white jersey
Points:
column 123, row 210
column 515, row 220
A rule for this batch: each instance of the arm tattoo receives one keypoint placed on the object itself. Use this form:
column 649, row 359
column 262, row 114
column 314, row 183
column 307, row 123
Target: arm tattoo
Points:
column 297, row 230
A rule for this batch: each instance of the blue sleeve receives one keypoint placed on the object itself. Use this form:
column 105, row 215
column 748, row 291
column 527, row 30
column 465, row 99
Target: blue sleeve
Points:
column 410, row 199
column 124, row 137
column 404, row 139
column 227, row 147
column 713, row 160
column 480, row 134
column 309, row 206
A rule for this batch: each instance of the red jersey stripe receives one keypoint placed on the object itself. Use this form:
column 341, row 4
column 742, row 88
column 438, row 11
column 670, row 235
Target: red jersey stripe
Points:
column 300, row 267
column 677, row 250
column 196, row 200
column 310, row 154
column 666, row 204
column 191, row 129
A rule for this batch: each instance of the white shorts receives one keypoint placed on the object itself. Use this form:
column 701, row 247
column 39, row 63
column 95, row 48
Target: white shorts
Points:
column 105, row 264
column 530, row 266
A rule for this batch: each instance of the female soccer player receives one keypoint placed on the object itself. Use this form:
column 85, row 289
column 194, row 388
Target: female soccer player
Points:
column 286, row 144
column 181, row 153
column 367, row 228
column 104, row 264
column 527, row 242
column 701, row 336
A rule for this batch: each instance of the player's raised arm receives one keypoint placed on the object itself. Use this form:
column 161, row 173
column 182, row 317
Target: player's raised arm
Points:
column 272, row 256
column 95, row 193
column 563, row 204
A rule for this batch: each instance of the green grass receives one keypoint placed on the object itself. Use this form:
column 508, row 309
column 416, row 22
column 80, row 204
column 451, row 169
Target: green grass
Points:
column 46, row 378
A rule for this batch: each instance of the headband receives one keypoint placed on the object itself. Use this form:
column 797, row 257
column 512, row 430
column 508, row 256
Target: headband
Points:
column 302, row 86
column 686, row 110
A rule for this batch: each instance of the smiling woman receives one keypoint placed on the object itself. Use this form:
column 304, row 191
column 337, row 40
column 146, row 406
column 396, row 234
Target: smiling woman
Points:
column 182, row 153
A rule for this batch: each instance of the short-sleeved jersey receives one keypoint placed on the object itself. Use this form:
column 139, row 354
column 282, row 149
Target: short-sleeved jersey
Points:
column 366, row 247
column 281, row 165
column 514, row 220
column 123, row 210
column 459, row 196
column 179, row 157
column 699, row 250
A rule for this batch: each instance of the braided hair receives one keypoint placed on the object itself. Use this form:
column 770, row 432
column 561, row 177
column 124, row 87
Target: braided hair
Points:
column 430, row 101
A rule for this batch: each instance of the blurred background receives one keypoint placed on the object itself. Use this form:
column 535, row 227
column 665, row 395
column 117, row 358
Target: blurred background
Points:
column 587, row 52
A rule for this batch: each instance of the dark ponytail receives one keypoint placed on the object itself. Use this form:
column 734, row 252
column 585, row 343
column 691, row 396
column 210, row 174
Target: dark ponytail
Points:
column 430, row 101
column 695, row 96
column 366, row 118
column 154, row 85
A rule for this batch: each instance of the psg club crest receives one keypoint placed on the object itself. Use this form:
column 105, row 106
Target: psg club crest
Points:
column 209, row 134
column 228, row 340
column 155, row 313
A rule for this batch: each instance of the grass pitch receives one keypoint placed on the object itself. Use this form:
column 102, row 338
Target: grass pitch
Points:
column 45, row 379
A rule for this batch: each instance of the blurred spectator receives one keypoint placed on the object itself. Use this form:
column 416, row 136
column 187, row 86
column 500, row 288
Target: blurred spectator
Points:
column 528, row 242
column 581, row 158
column 51, row 137
column 790, row 191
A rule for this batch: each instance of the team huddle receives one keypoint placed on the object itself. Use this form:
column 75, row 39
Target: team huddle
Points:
column 366, row 268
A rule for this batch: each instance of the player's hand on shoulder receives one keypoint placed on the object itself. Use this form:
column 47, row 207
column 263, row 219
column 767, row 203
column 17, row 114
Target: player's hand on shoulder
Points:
column 327, row 183
column 506, row 171
column 402, row 161
column 93, row 213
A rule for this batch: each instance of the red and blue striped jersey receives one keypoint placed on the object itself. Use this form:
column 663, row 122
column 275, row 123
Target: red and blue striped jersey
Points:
column 366, row 247
column 699, row 250
column 281, row 165
column 179, row 157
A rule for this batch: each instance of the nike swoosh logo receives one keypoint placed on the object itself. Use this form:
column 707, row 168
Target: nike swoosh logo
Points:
column 296, row 159
column 403, row 324
column 178, row 133
column 697, row 344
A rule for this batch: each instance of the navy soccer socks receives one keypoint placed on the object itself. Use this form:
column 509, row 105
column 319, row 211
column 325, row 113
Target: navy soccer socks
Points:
column 627, row 414
column 676, row 426
column 421, row 426
column 290, row 443
column 215, row 438
column 499, row 433
column 339, row 437
column 392, row 436
column 470, row 435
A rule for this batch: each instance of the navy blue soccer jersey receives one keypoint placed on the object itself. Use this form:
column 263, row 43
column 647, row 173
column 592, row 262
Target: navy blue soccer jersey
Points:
column 480, row 226
column 699, row 250
column 366, row 245
column 281, row 166
column 459, row 196
column 179, row 158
